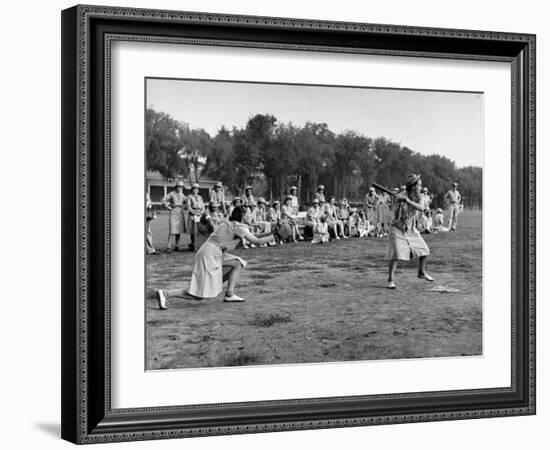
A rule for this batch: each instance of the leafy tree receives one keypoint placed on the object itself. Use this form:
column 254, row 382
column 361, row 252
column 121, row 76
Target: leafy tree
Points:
column 274, row 155
column 163, row 143
column 315, row 146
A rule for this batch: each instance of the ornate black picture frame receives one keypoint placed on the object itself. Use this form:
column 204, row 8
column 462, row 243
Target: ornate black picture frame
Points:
column 87, row 34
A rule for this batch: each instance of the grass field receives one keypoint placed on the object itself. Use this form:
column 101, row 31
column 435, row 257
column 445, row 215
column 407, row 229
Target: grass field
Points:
column 321, row 303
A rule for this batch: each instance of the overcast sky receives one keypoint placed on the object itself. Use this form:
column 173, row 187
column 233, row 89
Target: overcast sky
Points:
column 445, row 123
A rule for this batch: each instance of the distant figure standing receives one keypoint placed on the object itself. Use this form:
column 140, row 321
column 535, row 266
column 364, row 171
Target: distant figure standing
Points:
column 149, row 217
column 384, row 213
column 174, row 201
column 195, row 203
column 371, row 206
column 248, row 199
column 320, row 194
column 452, row 204
column 343, row 214
column 217, row 195
column 405, row 240
column 294, row 202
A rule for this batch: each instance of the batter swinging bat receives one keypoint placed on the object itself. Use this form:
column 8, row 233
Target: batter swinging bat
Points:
column 382, row 188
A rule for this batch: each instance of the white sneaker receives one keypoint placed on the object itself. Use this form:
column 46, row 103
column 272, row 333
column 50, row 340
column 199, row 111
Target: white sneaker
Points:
column 426, row 277
column 252, row 245
column 161, row 299
column 233, row 299
column 391, row 285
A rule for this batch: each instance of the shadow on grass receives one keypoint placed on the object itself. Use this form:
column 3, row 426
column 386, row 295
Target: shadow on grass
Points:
column 239, row 359
column 268, row 320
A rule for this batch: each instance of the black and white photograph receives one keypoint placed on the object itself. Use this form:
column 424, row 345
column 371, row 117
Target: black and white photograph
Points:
column 295, row 224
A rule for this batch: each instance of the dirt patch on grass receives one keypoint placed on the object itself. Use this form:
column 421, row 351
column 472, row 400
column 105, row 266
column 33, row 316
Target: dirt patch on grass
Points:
column 308, row 303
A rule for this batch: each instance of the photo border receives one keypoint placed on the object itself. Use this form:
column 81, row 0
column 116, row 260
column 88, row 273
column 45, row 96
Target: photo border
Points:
column 87, row 34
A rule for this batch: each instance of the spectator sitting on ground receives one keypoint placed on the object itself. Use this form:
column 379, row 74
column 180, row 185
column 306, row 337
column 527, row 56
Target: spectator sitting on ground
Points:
column 320, row 231
column 438, row 222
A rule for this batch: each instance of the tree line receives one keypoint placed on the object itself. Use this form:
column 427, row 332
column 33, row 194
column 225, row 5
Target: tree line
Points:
column 272, row 156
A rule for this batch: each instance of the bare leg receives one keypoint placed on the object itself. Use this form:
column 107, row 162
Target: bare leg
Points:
column 176, row 293
column 391, row 269
column 334, row 227
column 422, row 265
column 232, row 275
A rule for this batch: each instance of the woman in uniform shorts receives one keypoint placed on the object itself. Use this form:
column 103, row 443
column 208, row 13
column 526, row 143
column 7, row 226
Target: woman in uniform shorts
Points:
column 384, row 213
column 405, row 240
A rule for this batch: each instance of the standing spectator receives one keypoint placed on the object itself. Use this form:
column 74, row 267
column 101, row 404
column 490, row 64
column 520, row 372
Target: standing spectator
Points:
column 384, row 213
column 320, row 194
column 195, row 204
column 149, row 217
column 371, row 206
column 248, row 197
column 174, row 202
column 320, row 231
column 217, row 195
column 426, row 197
column 294, row 202
column 452, row 204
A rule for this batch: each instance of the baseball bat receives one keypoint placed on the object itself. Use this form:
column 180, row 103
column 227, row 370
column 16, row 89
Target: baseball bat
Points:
column 382, row 188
